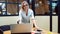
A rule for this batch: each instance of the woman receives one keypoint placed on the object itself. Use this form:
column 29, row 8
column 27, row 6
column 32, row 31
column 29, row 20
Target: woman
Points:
column 25, row 14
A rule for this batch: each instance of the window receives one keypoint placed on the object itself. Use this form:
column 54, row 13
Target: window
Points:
column 2, row 0
column 54, row 7
column 8, row 7
column 11, row 1
column 2, row 8
column 42, row 7
column 12, row 9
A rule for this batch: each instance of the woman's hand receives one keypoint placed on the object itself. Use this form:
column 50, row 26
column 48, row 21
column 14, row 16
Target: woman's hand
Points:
column 18, row 21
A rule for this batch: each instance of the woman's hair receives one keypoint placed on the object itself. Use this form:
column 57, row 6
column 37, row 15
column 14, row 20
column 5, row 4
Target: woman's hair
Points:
column 22, row 4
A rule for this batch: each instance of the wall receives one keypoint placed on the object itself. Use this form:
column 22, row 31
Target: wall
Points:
column 43, row 22
column 55, row 23
column 8, row 20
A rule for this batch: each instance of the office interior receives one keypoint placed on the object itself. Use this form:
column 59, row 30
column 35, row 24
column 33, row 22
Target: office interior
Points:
column 45, row 13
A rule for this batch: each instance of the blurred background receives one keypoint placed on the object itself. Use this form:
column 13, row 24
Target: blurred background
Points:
column 11, row 7
column 43, row 9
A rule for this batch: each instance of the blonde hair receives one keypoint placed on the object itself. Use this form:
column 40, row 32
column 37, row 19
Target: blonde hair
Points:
column 22, row 4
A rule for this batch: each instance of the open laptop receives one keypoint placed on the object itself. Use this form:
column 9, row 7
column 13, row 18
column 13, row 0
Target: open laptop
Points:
column 21, row 28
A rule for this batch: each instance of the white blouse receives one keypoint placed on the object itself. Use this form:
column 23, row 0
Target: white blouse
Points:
column 26, row 19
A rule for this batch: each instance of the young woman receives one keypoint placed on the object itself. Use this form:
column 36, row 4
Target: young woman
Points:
column 25, row 14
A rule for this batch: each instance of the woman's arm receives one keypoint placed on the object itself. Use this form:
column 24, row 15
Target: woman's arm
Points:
column 34, row 23
column 33, row 20
column 20, row 17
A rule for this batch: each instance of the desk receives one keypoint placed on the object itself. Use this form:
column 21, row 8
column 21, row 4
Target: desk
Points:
column 43, row 32
column 28, row 33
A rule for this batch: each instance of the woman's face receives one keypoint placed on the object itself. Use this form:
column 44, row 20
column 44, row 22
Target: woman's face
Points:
column 25, row 6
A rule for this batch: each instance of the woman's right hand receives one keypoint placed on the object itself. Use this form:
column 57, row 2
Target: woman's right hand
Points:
column 18, row 21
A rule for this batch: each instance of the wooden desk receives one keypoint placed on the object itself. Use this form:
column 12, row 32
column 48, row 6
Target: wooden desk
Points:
column 28, row 33
column 20, row 33
column 43, row 32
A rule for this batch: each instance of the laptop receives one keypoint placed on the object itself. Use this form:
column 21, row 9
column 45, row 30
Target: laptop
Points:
column 21, row 28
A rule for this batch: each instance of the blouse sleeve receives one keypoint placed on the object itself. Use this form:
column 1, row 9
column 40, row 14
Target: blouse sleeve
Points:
column 32, row 15
column 20, row 16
